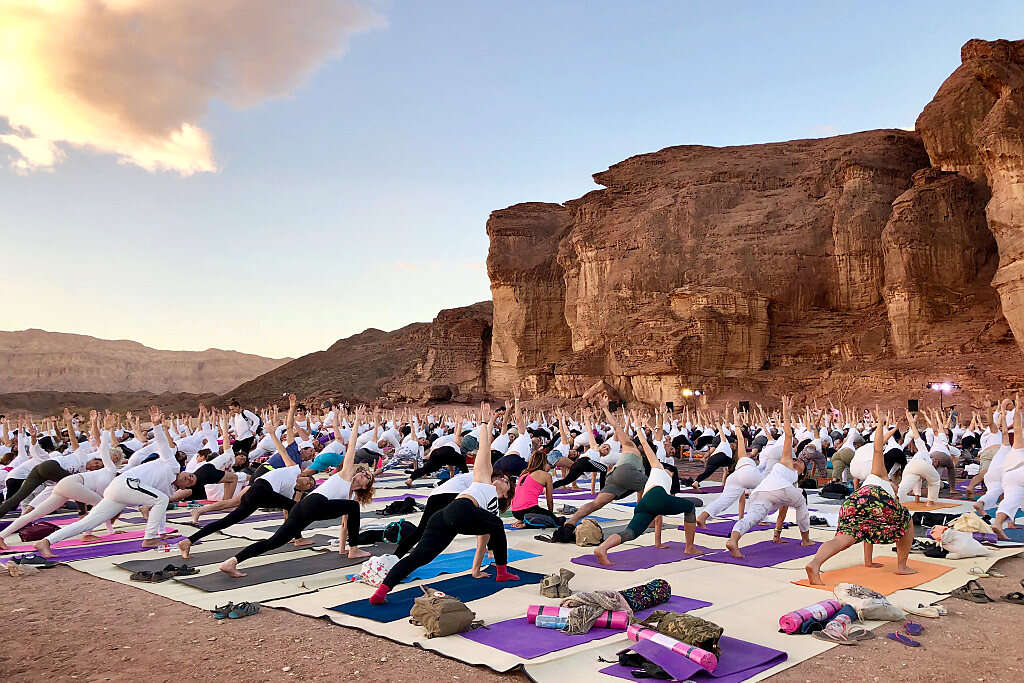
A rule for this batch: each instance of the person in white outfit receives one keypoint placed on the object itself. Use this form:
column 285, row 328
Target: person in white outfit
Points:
column 994, row 473
column 919, row 470
column 745, row 478
column 1012, row 480
column 150, row 484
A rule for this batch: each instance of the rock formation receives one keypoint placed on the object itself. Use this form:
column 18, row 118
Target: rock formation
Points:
column 35, row 361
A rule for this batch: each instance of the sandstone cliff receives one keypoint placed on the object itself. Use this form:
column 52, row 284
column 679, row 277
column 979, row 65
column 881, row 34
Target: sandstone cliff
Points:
column 35, row 361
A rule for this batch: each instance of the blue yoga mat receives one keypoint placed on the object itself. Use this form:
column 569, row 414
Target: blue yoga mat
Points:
column 1015, row 534
column 465, row 588
column 453, row 563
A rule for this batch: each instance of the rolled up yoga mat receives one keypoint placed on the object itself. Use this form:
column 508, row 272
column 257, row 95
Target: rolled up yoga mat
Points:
column 615, row 620
column 647, row 595
column 791, row 621
column 706, row 659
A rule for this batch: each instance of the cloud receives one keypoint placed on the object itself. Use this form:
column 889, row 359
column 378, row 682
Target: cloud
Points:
column 133, row 78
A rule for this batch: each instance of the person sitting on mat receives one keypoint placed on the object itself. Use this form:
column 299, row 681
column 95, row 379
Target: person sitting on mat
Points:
column 340, row 495
column 276, row 489
column 872, row 514
column 529, row 486
column 474, row 512
column 744, row 478
column 776, row 492
column 655, row 502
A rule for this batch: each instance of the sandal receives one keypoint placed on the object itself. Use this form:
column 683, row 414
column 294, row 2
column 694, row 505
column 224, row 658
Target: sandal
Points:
column 972, row 592
column 222, row 612
column 860, row 634
column 996, row 574
column 1015, row 597
column 929, row 611
column 912, row 628
column 979, row 572
column 900, row 638
column 834, row 638
column 180, row 570
column 243, row 609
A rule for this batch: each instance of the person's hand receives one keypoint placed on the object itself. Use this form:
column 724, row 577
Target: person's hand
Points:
column 109, row 422
column 155, row 416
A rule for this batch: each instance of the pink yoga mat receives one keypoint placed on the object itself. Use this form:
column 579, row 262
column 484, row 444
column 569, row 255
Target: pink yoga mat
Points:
column 76, row 542
column 707, row 660
column 791, row 621
column 614, row 620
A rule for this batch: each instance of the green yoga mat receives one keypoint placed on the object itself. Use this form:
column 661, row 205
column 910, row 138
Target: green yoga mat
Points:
column 198, row 559
column 277, row 571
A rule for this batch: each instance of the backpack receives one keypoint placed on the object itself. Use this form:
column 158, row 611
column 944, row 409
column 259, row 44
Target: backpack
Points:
column 641, row 667
column 589, row 533
column 406, row 506
column 441, row 615
column 37, row 530
column 540, row 520
column 688, row 629
column 835, row 490
column 557, row 585
column 563, row 534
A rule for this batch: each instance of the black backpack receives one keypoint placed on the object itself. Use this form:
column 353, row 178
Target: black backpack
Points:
column 563, row 534
column 406, row 506
column 835, row 490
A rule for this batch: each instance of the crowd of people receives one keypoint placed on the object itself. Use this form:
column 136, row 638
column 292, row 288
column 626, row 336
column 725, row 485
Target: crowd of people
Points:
column 509, row 459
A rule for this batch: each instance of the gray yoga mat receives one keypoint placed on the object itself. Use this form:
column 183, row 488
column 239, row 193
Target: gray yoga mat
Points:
column 198, row 559
column 276, row 571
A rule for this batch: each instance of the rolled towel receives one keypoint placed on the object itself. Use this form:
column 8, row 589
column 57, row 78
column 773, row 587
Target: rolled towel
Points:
column 791, row 621
column 613, row 620
column 707, row 660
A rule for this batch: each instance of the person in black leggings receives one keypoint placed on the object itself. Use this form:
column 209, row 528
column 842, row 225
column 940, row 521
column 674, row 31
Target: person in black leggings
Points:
column 443, row 457
column 435, row 503
column 716, row 461
column 584, row 464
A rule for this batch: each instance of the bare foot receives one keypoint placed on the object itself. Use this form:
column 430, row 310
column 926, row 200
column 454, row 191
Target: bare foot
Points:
column 931, row 503
column 692, row 550
column 302, row 542
column 663, row 546
column 734, row 548
column 1010, row 524
column 168, row 534
column 518, row 525
column 602, row 557
column 194, row 514
column 3, row 546
column 905, row 570
column 806, row 543
column 813, row 576
column 353, row 553
column 90, row 536
column 873, row 565
column 184, row 546
column 702, row 520
column 1000, row 534
column 408, row 483
column 979, row 508
column 42, row 547
column 230, row 567
column 152, row 542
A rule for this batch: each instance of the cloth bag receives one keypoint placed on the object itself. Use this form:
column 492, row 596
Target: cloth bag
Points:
column 868, row 603
column 37, row 530
column 375, row 569
column 687, row 628
column 557, row 585
column 588, row 532
column 441, row 614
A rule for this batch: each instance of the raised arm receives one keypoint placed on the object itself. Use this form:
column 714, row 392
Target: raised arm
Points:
column 281, row 450
column 72, row 437
column 348, row 466
column 882, row 436
column 482, row 468
column 787, row 432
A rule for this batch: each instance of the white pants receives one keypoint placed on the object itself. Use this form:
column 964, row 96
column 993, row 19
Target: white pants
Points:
column 743, row 479
column 68, row 488
column 118, row 495
column 1013, row 492
column 914, row 473
column 763, row 503
column 993, row 489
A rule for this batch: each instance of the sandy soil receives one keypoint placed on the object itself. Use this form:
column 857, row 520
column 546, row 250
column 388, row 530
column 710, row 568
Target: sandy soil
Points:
column 104, row 631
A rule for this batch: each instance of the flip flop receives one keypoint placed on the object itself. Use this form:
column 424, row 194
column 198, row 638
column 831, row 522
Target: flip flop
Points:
column 222, row 611
column 913, row 629
column 900, row 638
column 243, row 609
column 972, row 592
column 996, row 574
column 860, row 634
column 979, row 572
column 1015, row 597
column 833, row 638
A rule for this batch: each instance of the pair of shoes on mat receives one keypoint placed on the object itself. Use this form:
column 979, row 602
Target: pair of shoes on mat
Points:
column 233, row 611
column 146, row 576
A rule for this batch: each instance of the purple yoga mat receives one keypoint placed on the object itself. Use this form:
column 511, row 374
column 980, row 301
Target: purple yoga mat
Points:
column 764, row 554
column 582, row 495
column 521, row 638
column 740, row 660
column 704, row 489
column 640, row 558
column 89, row 552
column 724, row 528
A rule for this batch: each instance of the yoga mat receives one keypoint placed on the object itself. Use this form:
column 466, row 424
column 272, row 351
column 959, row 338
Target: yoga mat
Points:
column 198, row 559
column 319, row 524
column 1015, row 534
column 185, row 518
column 640, row 558
column 77, row 543
column 582, row 495
column 790, row 622
column 739, row 661
column 59, row 520
column 705, row 659
column 922, row 507
column 724, row 528
column 705, row 489
column 764, row 554
column 520, row 638
column 453, row 563
column 883, row 580
column 466, row 588
column 276, row 571
column 89, row 552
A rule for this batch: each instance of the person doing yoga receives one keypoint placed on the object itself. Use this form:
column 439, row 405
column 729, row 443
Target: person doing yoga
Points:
column 777, row 491
column 872, row 514
column 745, row 478
column 589, row 461
column 340, row 495
column 444, row 453
column 918, row 470
column 474, row 512
column 655, row 502
column 276, row 490
column 1012, row 481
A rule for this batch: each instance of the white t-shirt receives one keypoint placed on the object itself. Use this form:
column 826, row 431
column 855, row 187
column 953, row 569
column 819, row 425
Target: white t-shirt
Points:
column 884, row 484
column 485, row 495
column 659, row 477
column 522, row 445
column 282, row 480
column 335, row 488
column 780, row 477
column 456, row 484
column 501, row 443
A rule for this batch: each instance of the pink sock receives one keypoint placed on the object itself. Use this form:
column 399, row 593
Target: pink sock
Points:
column 380, row 596
column 504, row 574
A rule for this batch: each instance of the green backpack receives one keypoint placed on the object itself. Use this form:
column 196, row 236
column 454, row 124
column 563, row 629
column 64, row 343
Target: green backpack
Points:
column 688, row 629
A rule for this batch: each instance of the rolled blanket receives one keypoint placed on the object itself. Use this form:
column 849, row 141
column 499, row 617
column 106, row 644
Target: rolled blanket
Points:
column 618, row 620
column 647, row 595
column 707, row 660
column 791, row 621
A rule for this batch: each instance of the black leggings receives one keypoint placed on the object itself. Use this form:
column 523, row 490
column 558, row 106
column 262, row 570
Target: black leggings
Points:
column 582, row 465
column 537, row 510
column 716, row 461
column 259, row 495
column 462, row 516
column 48, row 470
column 435, row 503
column 442, row 457
column 312, row 508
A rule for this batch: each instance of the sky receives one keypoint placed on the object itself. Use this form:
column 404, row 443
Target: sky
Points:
column 271, row 177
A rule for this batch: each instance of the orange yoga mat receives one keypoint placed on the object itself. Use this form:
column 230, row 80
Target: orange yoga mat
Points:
column 922, row 507
column 884, row 580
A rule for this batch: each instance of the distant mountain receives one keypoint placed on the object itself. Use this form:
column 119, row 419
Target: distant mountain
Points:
column 40, row 361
